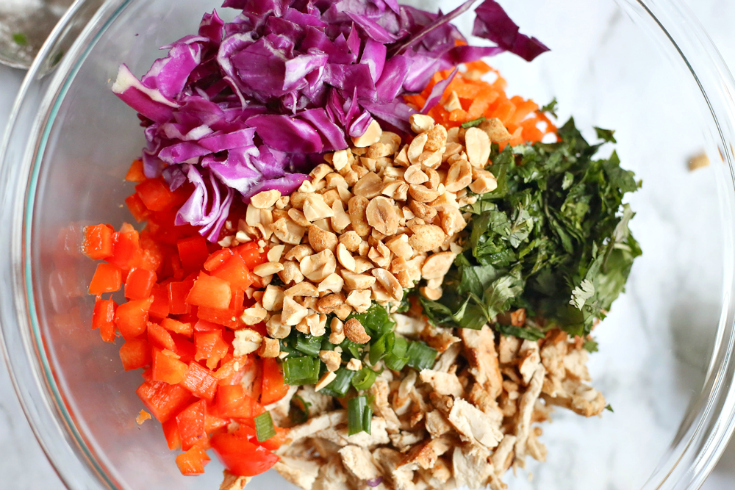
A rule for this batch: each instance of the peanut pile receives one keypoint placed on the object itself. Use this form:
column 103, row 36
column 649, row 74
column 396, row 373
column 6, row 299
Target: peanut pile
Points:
column 373, row 220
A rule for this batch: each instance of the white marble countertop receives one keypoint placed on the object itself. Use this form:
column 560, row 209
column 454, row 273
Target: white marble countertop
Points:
column 23, row 462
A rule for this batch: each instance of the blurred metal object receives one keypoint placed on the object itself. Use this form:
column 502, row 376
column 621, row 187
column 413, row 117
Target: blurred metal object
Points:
column 24, row 27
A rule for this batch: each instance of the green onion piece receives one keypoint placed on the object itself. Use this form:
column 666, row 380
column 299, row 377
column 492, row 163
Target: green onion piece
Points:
column 400, row 346
column 339, row 385
column 264, row 428
column 299, row 410
column 326, row 344
column 20, row 39
column 350, row 348
column 420, row 356
column 367, row 418
column 302, row 370
column 356, row 415
column 376, row 320
column 381, row 347
column 364, row 379
column 395, row 363
column 309, row 345
column 473, row 123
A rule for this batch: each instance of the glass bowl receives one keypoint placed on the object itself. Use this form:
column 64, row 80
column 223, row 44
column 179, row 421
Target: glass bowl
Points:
column 642, row 67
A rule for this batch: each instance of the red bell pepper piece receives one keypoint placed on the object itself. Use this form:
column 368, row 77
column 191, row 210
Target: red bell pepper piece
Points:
column 233, row 402
column 131, row 318
column 190, row 423
column 137, row 208
column 210, row 347
column 200, row 381
column 160, row 338
column 175, row 326
column 276, row 441
column 217, row 258
column 211, row 292
column 125, row 249
column 167, row 367
column 139, row 284
column 185, row 349
column 97, row 243
column 135, row 173
column 160, row 307
column 193, row 252
column 251, row 254
column 103, row 317
column 273, row 388
column 135, row 354
column 193, row 461
column 177, row 293
column 171, row 433
column 232, row 370
column 107, row 279
column 163, row 400
column 212, row 423
column 230, row 316
column 156, row 195
column 235, row 272
column 240, row 456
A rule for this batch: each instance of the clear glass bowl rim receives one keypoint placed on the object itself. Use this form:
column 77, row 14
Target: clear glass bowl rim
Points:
column 703, row 434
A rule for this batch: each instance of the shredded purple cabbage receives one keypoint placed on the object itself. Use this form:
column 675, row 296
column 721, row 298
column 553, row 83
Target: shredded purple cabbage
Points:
column 248, row 106
column 374, row 482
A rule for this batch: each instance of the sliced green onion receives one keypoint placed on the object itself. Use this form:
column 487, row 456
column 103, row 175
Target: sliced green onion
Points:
column 352, row 349
column 473, row 123
column 367, row 418
column 381, row 347
column 308, row 344
column 376, row 320
column 356, row 415
column 364, row 379
column 420, row 356
column 302, row 370
column 339, row 385
column 395, row 363
column 400, row 346
column 299, row 412
column 264, row 428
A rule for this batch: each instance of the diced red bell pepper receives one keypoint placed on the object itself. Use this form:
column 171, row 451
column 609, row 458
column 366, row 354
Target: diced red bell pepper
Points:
column 185, row 349
column 273, row 388
column 167, row 367
column 139, row 284
column 193, row 253
column 131, row 318
column 217, row 258
column 171, row 433
column 232, row 370
column 98, row 241
column 107, row 279
column 276, row 441
column 233, row 402
column 210, row 347
column 156, row 195
column 175, row 326
column 251, row 254
column 210, row 292
column 160, row 306
column 206, row 326
column 135, row 172
column 200, row 381
column 135, row 354
column 103, row 317
column 261, row 328
column 177, row 293
column 240, row 456
column 163, row 400
column 212, row 423
column 125, row 249
column 177, row 270
column 137, row 208
column 235, row 272
column 229, row 317
column 193, row 461
column 160, row 338
column 190, row 423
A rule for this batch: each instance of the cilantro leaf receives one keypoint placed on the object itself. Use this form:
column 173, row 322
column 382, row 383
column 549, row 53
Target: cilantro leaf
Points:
column 606, row 135
column 551, row 107
column 590, row 346
column 609, row 408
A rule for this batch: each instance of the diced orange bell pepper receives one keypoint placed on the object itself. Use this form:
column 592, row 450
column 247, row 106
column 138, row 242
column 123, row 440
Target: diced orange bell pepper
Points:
column 163, row 400
column 212, row 423
column 211, row 292
column 139, row 283
column 272, row 388
column 98, row 241
column 107, row 279
column 192, row 462
column 233, row 402
column 200, row 381
column 131, row 318
column 190, row 423
column 135, row 354
column 135, row 173
column 217, row 258
column 171, row 433
column 167, row 367
column 193, row 253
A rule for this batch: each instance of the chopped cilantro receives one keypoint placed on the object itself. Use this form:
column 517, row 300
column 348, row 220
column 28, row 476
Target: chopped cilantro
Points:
column 473, row 123
column 590, row 346
column 606, row 135
column 551, row 107
column 20, row 39
column 609, row 408
column 552, row 238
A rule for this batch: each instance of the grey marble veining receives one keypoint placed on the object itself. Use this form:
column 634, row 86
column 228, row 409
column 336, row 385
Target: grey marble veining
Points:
column 634, row 352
